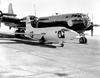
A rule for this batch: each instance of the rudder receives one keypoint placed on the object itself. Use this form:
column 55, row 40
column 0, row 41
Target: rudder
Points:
column 10, row 9
column 28, row 24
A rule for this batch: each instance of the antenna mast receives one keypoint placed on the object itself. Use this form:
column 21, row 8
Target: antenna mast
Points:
column 34, row 9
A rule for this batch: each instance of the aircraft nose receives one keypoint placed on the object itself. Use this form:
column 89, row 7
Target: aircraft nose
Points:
column 70, row 34
column 73, row 32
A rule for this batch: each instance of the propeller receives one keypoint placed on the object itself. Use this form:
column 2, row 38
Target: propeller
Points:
column 7, row 14
column 92, row 26
column 92, row 29
column 0, row 18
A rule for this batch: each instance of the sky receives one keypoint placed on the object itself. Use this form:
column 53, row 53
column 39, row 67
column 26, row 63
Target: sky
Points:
column 49, row 7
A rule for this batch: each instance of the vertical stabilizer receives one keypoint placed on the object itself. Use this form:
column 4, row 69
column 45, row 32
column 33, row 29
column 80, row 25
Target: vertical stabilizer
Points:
column 28, row 25
column 10, row 9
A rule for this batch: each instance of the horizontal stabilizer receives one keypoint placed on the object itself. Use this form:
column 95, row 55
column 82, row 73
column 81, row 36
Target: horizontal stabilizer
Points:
column 9, row 14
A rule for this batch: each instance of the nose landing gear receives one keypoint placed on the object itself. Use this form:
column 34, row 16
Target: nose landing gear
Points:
column 42, row 40
column 19, row 35
column 62, row 44
column 61, row 35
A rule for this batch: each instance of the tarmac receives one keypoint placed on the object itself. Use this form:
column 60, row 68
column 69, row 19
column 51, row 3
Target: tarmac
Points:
column 22, row 58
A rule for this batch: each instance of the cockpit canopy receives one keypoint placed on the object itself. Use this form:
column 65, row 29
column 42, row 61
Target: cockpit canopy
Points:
column 76, row 15
column 80, row 15
column 33, row 20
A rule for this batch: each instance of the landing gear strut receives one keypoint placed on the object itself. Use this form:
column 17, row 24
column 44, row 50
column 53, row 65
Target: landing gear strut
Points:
column 62, row 44
column 19, row 35
column 42, row 40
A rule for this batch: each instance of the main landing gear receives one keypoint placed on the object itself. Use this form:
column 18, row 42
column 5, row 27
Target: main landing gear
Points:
column 42, row 40
column 62, row 44
column 83, row 39
column 18, row 33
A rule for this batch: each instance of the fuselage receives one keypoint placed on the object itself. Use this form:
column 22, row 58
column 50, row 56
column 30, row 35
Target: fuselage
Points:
column 51, row 34
column 77, row 21
column 12, row 21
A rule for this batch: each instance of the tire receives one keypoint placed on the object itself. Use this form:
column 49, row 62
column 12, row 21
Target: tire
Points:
column 42, row 40
column 62, row 44
column 19, row 35
column 83, row 40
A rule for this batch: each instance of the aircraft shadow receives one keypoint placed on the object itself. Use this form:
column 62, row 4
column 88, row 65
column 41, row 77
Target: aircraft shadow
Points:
column 12, row 40
column 34, row 43
column 2, row 35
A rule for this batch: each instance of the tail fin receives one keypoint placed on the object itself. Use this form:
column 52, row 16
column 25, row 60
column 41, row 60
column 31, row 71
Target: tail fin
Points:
column 10, row 9
column 28, row 24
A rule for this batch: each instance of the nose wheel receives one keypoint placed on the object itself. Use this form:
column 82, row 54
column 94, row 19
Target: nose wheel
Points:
column 19, row 35
column 83, row 40
column 62, row 44
column 42, row 40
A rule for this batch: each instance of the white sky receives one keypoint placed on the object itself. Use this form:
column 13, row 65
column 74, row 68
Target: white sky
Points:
column 48, row 7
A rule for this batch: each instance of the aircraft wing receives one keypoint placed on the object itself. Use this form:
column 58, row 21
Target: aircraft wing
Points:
column 10, row 20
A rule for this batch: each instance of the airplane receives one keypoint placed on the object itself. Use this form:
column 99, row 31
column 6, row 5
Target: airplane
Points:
column 49, row 35
column 77, row 22
column 55, row 35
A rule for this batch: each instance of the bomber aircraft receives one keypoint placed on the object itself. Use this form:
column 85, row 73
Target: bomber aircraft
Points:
column 55, row 35
column 27, row 27
column 77, row 22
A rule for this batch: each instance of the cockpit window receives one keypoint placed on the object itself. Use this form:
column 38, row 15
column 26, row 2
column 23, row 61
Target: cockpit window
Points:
column 85, row 16
column 32, row 17
column 76, row 15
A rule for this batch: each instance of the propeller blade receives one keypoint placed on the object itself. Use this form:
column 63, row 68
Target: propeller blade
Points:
column 0, row 24
column 92, row 26
column 1, row 14
column 92, row 30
